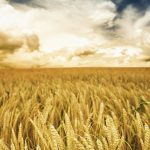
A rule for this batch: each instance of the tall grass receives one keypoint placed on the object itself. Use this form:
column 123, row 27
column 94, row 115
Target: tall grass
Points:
column 75, row 109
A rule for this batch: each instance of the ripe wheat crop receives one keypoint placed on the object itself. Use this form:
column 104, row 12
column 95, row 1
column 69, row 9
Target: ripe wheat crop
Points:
column 75, row 109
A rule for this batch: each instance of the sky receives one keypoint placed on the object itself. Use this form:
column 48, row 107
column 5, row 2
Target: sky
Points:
column 74, row 33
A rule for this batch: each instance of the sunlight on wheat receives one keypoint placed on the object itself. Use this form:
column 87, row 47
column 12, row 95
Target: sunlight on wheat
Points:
column 75, row 109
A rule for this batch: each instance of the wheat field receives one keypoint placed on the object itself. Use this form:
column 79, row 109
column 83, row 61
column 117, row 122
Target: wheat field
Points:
column 75, row 109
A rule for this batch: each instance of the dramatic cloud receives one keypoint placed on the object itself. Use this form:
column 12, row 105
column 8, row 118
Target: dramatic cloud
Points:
column 9, row 43
column 47, row 33
column 142, row 5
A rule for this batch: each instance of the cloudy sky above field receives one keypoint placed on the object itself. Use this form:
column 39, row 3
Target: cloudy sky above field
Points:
column 74, row 33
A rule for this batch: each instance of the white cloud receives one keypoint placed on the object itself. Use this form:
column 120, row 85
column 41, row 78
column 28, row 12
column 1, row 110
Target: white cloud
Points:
column 66, row 23
column 103, row 12
column 71, row 25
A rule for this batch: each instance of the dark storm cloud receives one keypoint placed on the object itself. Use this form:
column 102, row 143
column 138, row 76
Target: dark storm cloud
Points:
column 142, row 5
column 19, row 1
column 31, row 3
column 121, row 4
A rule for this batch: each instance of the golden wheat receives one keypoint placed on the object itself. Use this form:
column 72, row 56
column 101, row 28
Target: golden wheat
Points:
column 75, row 109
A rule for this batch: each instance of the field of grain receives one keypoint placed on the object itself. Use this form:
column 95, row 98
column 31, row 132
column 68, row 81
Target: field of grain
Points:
column 75, row 109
